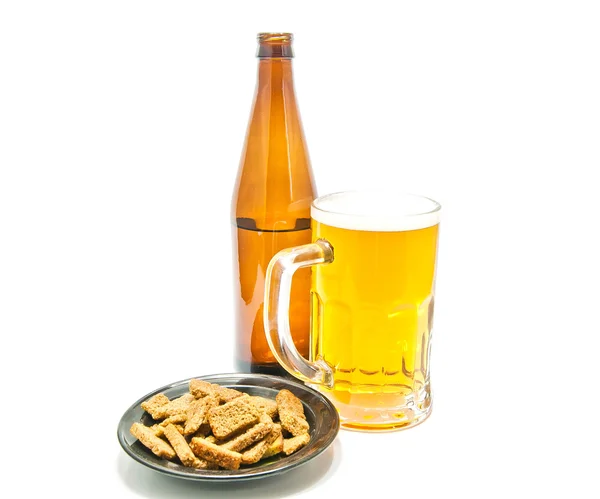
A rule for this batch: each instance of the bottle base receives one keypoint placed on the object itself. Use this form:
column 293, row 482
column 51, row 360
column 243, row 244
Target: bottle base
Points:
column 270, row 369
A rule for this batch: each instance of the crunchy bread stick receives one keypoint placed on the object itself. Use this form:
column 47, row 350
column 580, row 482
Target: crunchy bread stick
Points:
column 180, row 446
column 274, row 435
column 153, row 404
column 291, row 413
column 265, row 418
column 147, row 437
column 234, row 416
column 177, row 418
column 203, row 464
column 267, row 406
column 252, row 435
column 199, row 388
column 291, row 445
column 276, row 447
column 254, row 453
column 203, row 431
column 159, row 430
column 257, row 451
column 195, row 426
column 213, row 453
column 228, row 394
column 211, row 401
column 195, row 415
column 176, row 406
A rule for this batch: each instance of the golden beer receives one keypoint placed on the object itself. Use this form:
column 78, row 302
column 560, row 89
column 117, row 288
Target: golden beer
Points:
column 372, row 304
column 372, row 310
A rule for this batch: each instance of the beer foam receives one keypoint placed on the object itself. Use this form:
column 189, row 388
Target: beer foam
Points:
column 377, row 211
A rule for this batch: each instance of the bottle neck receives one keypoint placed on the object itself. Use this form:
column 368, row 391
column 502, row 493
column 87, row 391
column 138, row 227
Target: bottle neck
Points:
column 275, row 45
column 275, row 73
column 275, row 50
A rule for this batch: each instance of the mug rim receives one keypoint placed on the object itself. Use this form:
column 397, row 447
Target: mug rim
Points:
column 378, row 210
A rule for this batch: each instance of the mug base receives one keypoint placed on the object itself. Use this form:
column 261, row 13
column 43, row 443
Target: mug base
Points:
column 379, row 412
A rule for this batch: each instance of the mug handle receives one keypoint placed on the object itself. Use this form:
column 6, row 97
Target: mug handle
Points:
column 277, row 306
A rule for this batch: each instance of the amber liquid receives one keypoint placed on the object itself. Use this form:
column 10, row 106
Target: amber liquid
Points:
column 271, row 207
column 258, row 246
column 372, row 321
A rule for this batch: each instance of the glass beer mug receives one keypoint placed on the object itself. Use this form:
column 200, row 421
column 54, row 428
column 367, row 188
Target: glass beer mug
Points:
column 372, row 299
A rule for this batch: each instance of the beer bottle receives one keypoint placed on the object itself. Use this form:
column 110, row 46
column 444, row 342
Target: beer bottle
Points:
column 271, row 206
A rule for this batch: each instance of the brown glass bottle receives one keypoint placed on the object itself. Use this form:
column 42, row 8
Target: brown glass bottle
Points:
column 271, row 206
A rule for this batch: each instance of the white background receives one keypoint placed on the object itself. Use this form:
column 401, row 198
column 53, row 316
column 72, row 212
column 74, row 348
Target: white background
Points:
column 121, row 128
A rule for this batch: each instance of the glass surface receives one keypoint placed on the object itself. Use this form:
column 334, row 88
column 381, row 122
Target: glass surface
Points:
column 373, row 261
column 271, row 205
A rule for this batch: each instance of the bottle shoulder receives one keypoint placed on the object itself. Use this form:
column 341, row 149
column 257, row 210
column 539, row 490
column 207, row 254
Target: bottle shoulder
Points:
column 275, row 183
column 274, row 205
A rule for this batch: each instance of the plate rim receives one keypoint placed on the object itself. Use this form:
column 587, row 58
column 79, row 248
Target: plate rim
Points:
column 198, row 475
